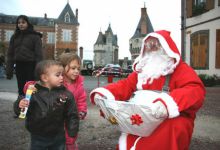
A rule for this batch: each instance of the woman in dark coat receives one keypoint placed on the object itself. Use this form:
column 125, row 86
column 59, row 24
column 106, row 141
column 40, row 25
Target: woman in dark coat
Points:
column 25, row 50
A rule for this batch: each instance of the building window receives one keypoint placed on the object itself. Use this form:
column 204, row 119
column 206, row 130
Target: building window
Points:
column 66, row 35
column 199, row 50
column 198, row 7
column 131, row 47
column 217, row 60
column 8, row 34
column 109, row 40
column 51, row 23
column 50, row 37
column 67, row 18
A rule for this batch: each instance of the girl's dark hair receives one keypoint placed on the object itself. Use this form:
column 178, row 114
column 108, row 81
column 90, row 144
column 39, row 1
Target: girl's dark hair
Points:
column 42, row 66
column 30, row 26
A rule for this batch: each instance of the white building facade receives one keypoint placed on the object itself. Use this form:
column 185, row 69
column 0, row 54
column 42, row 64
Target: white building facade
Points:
column 201, row 36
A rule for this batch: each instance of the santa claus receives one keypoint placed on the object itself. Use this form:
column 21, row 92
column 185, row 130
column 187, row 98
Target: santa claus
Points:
column 159, row 67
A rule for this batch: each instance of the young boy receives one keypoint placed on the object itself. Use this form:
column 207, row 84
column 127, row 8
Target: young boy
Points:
column 51, row 107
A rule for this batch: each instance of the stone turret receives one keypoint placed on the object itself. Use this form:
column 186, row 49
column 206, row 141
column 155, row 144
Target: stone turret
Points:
column 144, row 27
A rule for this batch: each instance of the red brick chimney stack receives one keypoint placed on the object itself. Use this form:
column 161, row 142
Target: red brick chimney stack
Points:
column 45, row 16
column 144, row 21
column 81, row 52
column 77, row 14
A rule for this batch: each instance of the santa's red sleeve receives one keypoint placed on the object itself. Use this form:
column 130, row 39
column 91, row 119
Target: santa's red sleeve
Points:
column 121, row 90
column 187, row 92
column 190, row 93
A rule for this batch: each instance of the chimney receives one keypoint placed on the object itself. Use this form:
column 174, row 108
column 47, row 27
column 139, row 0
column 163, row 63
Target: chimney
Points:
column 77, row 14
column 144, row 12
column 81, row 52
column 45, row 16
column 144, row 20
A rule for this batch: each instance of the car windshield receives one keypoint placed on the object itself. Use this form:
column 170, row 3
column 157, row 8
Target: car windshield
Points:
column 87, row 61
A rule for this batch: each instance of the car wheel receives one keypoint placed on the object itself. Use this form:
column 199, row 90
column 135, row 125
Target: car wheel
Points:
column 89, row 66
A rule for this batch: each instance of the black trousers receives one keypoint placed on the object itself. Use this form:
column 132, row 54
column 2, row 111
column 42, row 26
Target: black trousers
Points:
column 24, row 72
column 47, row 143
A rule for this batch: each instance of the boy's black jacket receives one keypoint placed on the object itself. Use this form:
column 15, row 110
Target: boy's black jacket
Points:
column 49, row 111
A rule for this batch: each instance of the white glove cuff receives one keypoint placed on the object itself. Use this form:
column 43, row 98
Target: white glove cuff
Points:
column 172, row 107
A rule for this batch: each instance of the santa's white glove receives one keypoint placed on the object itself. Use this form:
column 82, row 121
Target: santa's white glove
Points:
column 97, row 97
column 159, row 110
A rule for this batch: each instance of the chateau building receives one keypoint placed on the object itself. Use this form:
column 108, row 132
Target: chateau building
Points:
column 144, row 27
column 59, row 34
column 106, row 48
column 201, row 35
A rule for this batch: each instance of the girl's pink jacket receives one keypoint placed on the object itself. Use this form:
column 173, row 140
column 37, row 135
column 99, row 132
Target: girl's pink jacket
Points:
column 79, row 93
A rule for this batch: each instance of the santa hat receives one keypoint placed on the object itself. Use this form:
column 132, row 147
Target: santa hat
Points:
column 166, row 42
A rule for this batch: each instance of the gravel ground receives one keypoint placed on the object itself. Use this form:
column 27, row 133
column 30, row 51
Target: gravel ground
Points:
column 97, row 134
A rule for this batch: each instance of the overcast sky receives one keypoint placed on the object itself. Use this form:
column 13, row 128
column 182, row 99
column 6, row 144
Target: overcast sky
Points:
column 95, row 15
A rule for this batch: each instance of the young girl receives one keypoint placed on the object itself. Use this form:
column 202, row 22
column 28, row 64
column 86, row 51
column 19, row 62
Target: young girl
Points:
column 73, row 81
column 25, row 51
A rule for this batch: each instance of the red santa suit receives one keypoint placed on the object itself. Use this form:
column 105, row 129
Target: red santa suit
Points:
column 185, row 97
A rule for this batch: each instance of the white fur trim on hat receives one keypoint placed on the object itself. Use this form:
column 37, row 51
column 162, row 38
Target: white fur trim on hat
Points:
column 171, row 105
column 123, row 141
column 164, row 44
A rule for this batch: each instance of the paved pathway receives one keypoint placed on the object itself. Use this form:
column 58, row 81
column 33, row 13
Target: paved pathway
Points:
column 206, row 134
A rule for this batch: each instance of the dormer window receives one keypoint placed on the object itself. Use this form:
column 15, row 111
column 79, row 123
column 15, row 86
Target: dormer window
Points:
column 51, row 22
column 67, row 18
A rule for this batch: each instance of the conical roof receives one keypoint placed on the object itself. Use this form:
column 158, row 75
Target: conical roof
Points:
column 101, row 39
column 144, row 26
column 67, row 10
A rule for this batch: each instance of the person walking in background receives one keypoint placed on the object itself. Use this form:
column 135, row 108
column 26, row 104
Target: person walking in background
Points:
column 74, row 82
column 2, row 67
column 25, row 51
column 51, row 107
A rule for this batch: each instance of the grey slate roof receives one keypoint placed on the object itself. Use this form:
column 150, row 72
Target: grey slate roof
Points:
column 7, row 18
column 102, row 37
column 67, row 9
column 109, row 30
column 11, row 19
column 137, row 32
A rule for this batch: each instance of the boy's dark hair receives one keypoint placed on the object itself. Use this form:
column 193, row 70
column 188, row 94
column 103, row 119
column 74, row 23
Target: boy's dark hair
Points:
column 42, row 66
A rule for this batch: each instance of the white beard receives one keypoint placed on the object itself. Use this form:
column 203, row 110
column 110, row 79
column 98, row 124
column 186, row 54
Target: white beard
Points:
column 153, row 65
